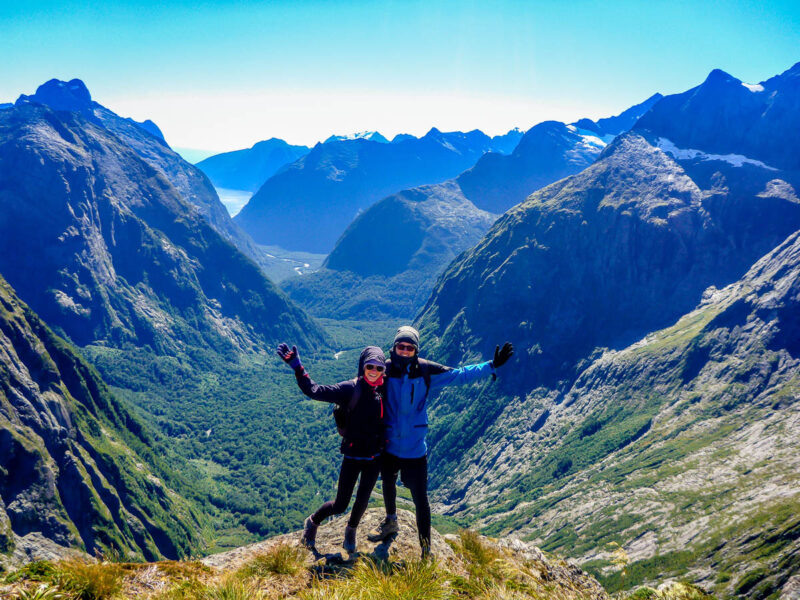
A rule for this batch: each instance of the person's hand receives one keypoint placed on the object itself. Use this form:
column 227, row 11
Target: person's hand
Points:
column 290, row 357
column 501, row 355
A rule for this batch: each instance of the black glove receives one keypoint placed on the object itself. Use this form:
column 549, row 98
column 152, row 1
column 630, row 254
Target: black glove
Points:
column 501, row 355
column 290, row 357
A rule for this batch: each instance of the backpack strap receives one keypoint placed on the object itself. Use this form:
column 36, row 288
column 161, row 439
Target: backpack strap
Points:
column 424, row 368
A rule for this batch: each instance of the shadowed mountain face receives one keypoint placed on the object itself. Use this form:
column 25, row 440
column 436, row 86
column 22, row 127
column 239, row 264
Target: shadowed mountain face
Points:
column 147, row 141
column 724, row 116
column 416, row 233
column 75, row 467
column 248, row 169
column 124, row 257
column 308, row 204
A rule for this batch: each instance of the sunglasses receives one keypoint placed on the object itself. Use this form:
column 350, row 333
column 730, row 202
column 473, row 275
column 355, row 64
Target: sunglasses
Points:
column 377, row 368
column 405, row 347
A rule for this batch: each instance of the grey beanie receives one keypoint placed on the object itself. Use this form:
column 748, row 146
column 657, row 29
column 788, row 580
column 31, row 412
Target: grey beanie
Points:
column 407, row 334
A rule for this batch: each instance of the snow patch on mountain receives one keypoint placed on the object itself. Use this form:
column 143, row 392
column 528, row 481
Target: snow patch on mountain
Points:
column 589, row 145
column 360, row 135
column 737, row 160
column 754, row 87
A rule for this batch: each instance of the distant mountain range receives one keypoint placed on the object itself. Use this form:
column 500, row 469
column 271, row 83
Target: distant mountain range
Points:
column 418, row 232
column 633, row 373
column 249, row 169
column 372, row 136
column 547, row 152
column 308, row 204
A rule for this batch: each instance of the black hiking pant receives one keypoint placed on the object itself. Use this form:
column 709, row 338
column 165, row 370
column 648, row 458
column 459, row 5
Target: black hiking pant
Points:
column 414, row 475
column 348, row 475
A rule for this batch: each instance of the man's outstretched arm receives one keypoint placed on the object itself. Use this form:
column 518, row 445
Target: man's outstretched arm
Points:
column 470, row 373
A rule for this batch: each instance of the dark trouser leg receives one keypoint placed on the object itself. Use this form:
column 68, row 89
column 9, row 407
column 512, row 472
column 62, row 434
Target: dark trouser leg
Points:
column 348, row 475
column 389, row 467
column 415, row 477
column 369, row 475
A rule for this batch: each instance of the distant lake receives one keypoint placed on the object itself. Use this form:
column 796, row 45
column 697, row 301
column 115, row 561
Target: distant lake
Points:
column 233, row 200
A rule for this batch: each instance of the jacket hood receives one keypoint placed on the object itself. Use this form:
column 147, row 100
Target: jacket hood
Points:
column 372, row 353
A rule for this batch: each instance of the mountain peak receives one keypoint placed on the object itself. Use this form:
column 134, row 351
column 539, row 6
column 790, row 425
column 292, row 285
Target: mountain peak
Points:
column 70, row 95
column 372, row 136
column 720, row 77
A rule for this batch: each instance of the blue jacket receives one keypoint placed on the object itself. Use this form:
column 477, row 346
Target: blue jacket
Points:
column 407, row 402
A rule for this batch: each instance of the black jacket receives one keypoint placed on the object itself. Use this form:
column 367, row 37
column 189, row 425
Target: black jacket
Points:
column 364, row 432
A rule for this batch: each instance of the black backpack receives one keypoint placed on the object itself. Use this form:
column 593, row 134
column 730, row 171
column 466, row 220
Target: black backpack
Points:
column 340, row 412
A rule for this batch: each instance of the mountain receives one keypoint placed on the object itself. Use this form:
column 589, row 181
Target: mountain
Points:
column 602, row 257
column 725, row 116
column 418, row 232
column 76, row 468
column 249, row 169
column 385, row 262
column 147, row 141
column 373, row 136
column 402, row 137
column 590, row 265
column 105, row 249
column 621, row 122
column 308, row 204
column 688, row 436
column 546, row 153
column 505, row 144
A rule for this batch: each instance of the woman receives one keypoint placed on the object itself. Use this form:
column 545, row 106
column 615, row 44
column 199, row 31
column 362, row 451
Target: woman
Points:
column 360, row 420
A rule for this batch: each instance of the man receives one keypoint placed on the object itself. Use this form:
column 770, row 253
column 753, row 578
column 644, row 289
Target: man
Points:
column 410, row 379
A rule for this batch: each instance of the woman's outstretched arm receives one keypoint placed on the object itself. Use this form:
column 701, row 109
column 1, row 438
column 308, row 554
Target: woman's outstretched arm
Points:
column 338, row 393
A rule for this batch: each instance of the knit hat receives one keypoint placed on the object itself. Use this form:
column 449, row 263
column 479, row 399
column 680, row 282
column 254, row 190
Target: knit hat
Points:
column 407, row 334
column 371, row 355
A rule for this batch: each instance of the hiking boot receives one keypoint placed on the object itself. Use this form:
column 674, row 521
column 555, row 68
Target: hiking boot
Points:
column 426, row 552
column 309, row 539
column 384, row 530
column 349, row 543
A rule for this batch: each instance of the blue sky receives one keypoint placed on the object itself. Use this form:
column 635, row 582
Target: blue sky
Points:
column 223, row 75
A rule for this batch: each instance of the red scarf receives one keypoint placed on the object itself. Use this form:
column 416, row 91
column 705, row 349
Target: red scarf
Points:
column 378, row 381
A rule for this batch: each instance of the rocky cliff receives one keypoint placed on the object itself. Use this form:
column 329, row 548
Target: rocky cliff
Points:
column 77, row 470
column 105, row 248
column 465, row 566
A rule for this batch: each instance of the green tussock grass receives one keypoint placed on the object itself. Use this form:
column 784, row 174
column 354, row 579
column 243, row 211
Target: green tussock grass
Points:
column 482, row 570
column 283, row 559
